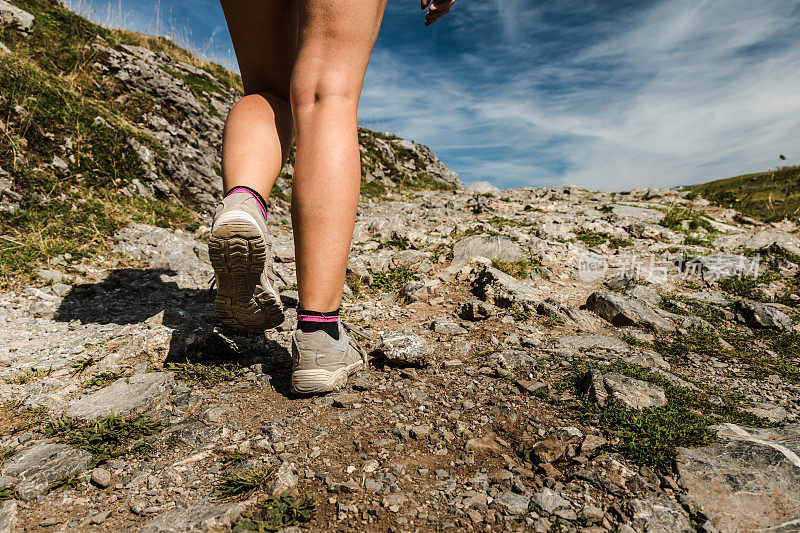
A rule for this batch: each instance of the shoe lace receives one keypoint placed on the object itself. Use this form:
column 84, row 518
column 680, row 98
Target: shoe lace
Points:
column 212, row 288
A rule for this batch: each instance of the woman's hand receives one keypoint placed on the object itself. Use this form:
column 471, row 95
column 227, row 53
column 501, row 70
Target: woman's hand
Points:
column 438, row 9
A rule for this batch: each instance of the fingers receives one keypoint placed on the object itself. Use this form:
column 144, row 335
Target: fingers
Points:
column 438, row 9
column 424, row 4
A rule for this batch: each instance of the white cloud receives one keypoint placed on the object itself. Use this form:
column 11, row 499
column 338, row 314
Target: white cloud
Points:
column 683, row 92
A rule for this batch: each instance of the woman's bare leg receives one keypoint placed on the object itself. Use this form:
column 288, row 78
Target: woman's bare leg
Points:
column 335, row 42
column 258, row 132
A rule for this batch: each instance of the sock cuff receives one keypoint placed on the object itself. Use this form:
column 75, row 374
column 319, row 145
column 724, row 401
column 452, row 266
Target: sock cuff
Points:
column 252, row 192
column 304, row 315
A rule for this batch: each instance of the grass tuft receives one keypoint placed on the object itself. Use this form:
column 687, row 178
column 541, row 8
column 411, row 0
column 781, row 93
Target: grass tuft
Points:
column 521, row 268
column 242, row 485
column 108, row 438
column 28, row 376
column 101, row 379
column 203, row 374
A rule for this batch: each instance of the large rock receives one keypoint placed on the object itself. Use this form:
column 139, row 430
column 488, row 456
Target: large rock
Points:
column 623, row 310
column 511, row 503
column 125, row 396
column 20, row 20
column 718, row 266
column 549, row 501
column 165, row 249
column 41, row 465
column 760, row 239
column 569, row 315
column 8, row 517
column 201, row 518
column 638, row 213
column 758, row 315
column 629, row 392
column 511, row 359
column 503, row 290
column 492, row 247
column 748, row 480
column 657, row 513
column 405, row 348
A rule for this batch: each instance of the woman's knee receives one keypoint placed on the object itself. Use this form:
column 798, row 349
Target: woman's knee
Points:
column 312, row 89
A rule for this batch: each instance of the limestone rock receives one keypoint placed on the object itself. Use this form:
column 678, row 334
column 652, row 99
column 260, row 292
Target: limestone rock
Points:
column 748, row 479
column 623, row 310
column 658, row 514
column 568, row 315
column 284, row 480
column 405, row 348
column 41, row 465
column 165, row 249
column 20, row 20
column 8, row 517
column 511, row 503
column 629, row 392
column 125, row 396
column 205, row 517
column 758, row 315
column 640, row 214
column 492, row 247
column 549, row 501
column 497, row 287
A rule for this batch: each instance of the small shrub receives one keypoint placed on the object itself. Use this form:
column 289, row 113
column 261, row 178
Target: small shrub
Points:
column 278, row 513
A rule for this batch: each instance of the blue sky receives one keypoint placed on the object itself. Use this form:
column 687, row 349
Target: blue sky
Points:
column 604, row 95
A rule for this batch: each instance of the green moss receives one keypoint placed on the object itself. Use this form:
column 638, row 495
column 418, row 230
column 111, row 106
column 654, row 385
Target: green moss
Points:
column 68, row 482
column 502, row 222
column 8, row 492
column 373, row 189
column 442, row 250
column 650, row 436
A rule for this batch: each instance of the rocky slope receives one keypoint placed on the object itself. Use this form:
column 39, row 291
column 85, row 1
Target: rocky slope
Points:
column 549, row 359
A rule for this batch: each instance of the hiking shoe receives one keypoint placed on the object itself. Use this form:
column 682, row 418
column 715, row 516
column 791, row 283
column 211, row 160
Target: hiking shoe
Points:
column 323, row 364
column 242, row 261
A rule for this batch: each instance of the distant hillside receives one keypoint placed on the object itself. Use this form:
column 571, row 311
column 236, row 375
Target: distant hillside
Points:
column 772, row 195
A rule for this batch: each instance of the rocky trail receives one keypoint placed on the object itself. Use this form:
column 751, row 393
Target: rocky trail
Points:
column 540, row 359
column 483, row 408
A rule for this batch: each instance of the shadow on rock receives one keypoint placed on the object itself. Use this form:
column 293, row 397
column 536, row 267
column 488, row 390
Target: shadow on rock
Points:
column 130, row 296
column 177, row 325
